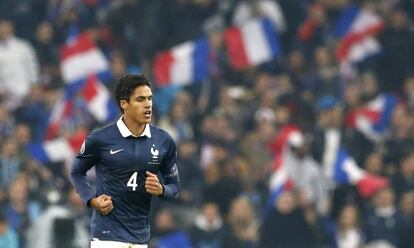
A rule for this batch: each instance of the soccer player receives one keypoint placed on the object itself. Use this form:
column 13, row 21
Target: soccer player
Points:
column 127, row 156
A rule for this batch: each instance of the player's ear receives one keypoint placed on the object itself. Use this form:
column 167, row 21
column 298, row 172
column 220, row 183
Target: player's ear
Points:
column 124, row 104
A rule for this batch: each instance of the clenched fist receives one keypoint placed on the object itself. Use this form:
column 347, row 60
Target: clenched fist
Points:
column 102, row 204
column 153, row 185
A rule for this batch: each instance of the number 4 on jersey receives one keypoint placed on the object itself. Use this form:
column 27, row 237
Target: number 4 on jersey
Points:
column 132, row 182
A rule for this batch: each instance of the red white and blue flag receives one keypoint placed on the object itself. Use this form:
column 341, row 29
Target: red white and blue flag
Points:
column 57, row 150
column 61, row 111
column 341, row 170
column 373, row 119
column 345, row 171
column 253, row 43
column 80, row 57
column 280, row 180
column 82, row 67
column 356, row 30
column 182, row 64
column 98, row 99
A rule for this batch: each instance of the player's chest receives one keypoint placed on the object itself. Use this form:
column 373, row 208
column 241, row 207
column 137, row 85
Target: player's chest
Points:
column 132, row 155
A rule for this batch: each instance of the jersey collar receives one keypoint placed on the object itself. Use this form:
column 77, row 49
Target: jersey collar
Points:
column 125, row 132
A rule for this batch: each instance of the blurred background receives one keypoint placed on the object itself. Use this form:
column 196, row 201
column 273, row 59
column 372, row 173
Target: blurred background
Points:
column 293, row 118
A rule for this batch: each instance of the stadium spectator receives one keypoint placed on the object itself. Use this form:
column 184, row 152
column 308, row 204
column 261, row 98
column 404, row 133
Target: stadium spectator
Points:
column 19, row 69
column 348, row 231
column 207, row 230
column 403, row 181
column 283, row 224
column 241, row 229
column 406, row 206
column 8, row 237
column 395, row 66
column 306, row 174
column 384, row 220
column 21, row 212
column 167, row 232
column 190, row 173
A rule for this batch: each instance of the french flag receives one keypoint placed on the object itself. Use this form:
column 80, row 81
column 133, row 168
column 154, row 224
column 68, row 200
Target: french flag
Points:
column 374, row 119
column 356, row 30
column 56, row 150
column 182, row 64
column 61, row 111
column 280, row 180
column 99, row 101
column 80, row 57
column 253, row 43
column 97, row 97
column 346, row 171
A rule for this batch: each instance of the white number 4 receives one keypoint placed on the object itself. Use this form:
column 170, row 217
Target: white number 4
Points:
column 132, row 182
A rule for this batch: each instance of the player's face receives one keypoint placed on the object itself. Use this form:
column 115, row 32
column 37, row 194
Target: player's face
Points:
column 139, row 106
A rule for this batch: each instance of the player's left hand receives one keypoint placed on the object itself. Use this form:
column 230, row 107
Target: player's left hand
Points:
column 153, row 185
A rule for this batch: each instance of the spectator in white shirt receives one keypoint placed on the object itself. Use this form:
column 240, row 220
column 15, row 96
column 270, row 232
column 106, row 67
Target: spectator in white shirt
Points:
column 18, row 65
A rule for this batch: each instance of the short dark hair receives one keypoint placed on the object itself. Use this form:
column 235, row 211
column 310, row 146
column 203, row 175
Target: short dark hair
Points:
column 126, row 86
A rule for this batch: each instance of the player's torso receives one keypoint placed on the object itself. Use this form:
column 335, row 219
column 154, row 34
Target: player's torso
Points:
column 123, row 163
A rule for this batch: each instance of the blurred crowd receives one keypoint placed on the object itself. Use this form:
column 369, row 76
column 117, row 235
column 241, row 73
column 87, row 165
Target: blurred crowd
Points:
column 225, row 127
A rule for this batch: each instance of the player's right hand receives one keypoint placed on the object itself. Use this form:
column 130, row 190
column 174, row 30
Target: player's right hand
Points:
column 102, row 204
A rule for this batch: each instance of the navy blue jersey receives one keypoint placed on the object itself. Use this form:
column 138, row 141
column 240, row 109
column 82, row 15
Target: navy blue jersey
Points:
column 120, row 161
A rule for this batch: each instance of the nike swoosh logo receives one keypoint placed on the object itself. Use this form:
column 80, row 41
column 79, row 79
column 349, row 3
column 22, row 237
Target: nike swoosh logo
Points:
column 114, row 152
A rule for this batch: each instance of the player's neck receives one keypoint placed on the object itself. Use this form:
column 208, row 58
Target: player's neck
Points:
column 136, row 128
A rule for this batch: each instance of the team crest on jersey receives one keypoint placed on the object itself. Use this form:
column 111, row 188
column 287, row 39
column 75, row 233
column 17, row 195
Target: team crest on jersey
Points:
column 82, row 149
column 154, row 155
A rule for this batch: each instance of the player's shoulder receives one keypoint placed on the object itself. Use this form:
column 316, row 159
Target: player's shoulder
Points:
column 103, row 132
column 97, row 138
